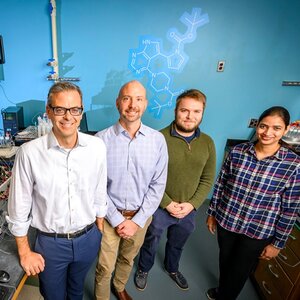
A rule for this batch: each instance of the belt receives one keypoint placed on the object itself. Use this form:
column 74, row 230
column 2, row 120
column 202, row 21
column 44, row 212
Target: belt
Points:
column 69, row 236
column 128, row 214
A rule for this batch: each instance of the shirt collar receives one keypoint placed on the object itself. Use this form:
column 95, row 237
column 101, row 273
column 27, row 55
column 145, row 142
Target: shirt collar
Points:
column 280, row 154
column 175, row 133
column 118, row 129
column 52, row 141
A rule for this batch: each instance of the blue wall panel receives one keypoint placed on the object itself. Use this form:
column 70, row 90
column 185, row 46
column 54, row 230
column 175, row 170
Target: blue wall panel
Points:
column 259, row 41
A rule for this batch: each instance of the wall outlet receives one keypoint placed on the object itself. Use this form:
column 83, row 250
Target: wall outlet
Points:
column 221, row 66
column 252, row 123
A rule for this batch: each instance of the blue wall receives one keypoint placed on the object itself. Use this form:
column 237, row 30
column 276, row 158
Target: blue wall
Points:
column 258, row 39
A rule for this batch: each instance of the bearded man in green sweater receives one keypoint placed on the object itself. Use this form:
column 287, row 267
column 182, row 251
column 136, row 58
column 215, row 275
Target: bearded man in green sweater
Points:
column 191, row 173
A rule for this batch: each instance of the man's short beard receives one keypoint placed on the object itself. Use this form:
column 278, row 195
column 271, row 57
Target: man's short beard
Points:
column 186, row 130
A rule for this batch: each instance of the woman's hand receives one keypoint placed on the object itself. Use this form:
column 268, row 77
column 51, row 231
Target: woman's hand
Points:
column 269, row 252
column 211, row 223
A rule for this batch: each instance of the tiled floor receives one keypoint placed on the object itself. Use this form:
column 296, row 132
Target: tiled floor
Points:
column 30, row 292
column 199, row 263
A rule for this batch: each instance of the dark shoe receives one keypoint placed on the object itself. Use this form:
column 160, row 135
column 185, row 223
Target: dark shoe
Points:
column 212, row 293
column 179, row 280
column 121, row 295
column 140, row 279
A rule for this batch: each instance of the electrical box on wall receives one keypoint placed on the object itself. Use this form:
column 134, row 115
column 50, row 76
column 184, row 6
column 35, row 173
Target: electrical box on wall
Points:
column 13, row 119
column 252, row 123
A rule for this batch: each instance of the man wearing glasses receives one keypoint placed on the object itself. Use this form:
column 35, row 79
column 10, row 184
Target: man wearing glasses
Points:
column 58, row 186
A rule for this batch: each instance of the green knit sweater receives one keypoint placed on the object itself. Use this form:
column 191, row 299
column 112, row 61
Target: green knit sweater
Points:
column 191, row 169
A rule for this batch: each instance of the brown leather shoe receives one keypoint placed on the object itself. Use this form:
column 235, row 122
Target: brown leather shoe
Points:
column 121, row 295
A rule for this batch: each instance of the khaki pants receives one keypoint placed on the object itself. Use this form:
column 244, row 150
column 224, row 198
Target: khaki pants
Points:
column 116, row 255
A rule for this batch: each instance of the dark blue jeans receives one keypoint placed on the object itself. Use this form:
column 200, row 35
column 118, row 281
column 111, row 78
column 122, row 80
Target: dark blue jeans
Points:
column 66, row 264
column 179, row 231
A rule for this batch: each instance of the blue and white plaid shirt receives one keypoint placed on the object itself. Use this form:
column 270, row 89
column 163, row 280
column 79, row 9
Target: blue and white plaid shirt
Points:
column 136, row 172
column 258, row 198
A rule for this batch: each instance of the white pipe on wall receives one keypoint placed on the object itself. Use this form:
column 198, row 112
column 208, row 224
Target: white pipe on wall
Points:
column 53, row 62
column 54, row 40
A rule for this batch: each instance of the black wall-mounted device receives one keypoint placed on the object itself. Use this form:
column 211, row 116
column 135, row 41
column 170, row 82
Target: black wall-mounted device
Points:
column 2, row 57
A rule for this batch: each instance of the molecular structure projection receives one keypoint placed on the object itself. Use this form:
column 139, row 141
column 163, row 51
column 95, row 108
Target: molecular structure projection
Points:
column 161, row 66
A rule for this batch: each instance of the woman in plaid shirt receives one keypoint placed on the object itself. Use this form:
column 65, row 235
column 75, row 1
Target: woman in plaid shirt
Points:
column 255, row 202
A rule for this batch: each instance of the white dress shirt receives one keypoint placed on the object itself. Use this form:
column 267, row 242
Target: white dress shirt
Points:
column 55, row 190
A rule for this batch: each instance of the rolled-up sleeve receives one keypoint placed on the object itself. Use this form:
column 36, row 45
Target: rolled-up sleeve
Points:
column 20, row 196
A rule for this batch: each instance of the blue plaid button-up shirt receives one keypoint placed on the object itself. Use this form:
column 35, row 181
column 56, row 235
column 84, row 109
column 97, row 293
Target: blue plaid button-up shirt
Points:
column 136, row 172
column 258, row 198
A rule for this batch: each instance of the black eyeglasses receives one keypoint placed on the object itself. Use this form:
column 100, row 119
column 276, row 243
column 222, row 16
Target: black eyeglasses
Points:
column 61, row 111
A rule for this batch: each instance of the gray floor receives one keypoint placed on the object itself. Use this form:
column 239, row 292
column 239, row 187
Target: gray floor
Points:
column 199, row 264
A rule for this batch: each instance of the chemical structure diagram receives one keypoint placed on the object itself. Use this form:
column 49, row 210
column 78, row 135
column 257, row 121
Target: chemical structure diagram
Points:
column 160, row 66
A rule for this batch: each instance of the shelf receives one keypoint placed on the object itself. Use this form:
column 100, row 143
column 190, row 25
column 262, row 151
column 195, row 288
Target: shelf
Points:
column 8, row 152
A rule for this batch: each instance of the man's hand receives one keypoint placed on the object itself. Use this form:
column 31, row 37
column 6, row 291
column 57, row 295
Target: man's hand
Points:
column 100, row 223
column 211, row 224
column 269, row 252
column 32, row 263
column 127, row 229
column 181, row 210
column 172, row 208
